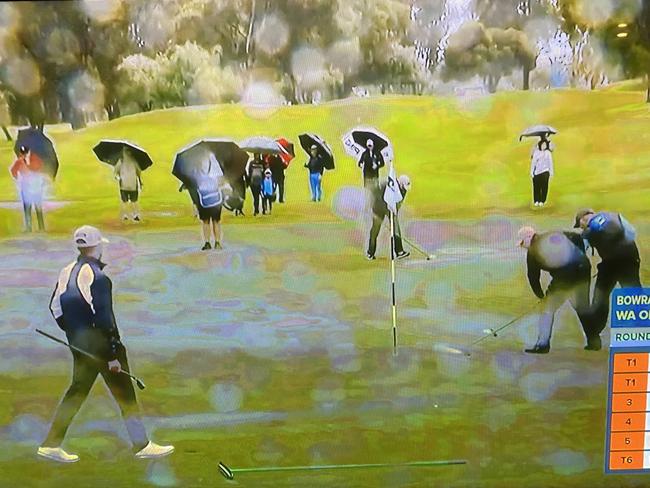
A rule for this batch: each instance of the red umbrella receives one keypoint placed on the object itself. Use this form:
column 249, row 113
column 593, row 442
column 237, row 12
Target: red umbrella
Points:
column 287, row 153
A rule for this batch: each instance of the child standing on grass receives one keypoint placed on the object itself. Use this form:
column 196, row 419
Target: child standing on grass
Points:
column 269, row 188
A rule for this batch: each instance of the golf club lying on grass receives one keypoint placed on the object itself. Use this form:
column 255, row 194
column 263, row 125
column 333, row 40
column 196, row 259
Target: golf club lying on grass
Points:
column 495, row 332
column 137, row 380
column 229, row 473
column 419, row 249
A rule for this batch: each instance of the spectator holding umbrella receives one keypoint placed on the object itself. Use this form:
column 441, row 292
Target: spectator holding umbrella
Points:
column 27, row 172
column 541, row 161
column 255, row 173
column 320, row 159
column 371, row 150
column 208, row 198
column 258, row 146
column 208, row 169
column 128, row 174
column 128, row 161
column 316, row 167
column 278, row 163
column 36, row 163
column 370, row 163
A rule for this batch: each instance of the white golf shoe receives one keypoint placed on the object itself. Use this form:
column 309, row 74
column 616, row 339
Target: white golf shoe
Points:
column 57, row 454
column 153, row 450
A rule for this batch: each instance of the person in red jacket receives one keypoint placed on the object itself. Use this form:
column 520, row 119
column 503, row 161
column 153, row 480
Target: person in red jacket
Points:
column 27, row 172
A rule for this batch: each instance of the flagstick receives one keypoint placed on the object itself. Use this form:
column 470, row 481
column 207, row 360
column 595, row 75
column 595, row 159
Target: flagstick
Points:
column 392, row 274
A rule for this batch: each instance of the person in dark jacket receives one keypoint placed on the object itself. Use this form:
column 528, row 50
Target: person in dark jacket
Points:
column 562, row 255
column 614, row 239
column 238, row 195
column 316, row 167
column 255, row 174
column 371, row 162
column 276, row 165
column 380, row 212
column 82, row 305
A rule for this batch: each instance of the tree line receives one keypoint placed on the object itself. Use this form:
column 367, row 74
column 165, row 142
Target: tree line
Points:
column 79, row 60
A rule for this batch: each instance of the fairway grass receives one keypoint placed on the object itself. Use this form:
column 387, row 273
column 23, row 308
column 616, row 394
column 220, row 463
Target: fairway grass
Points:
column 464, row 157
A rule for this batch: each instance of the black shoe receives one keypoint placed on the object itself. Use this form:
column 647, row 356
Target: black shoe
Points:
column 594, row 344
column 370, row 257
column 402, row 255
column 538, row 350
column 217, row 245
column 206, row 246
column 136, row 218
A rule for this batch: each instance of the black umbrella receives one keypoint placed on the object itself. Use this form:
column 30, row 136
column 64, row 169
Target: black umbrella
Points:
column 110, row 151
column 39, row 144
column 189, row 162
column 309, row 140
column 361, row 136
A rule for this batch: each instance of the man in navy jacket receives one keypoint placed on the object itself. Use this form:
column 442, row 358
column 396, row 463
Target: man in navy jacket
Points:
column 614, row 239
column 82, row 305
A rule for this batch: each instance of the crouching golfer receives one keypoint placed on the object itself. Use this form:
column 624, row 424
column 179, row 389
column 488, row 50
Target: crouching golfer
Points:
column 562, row 255
column 380, row 212
column 82, row 306
column 614, row 239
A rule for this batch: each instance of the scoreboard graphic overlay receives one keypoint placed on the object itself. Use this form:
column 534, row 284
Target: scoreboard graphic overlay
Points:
column 628, row 403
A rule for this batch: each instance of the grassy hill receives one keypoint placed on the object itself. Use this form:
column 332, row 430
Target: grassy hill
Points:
column 463, row 155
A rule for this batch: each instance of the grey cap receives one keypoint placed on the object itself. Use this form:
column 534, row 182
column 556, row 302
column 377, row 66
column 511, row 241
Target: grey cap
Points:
column 88, row 236
column 581, row 213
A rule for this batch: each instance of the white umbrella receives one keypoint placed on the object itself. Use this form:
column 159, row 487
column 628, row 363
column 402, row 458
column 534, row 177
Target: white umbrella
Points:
column 261, row 145
column 537, row 131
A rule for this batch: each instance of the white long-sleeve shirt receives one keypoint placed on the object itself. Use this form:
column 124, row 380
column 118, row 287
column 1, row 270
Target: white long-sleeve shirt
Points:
column 541, row 160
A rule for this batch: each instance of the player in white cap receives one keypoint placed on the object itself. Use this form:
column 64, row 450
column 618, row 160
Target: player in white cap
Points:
column 82, row 305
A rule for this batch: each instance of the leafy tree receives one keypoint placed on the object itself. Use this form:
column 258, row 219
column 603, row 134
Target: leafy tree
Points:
column 490, row 53
column 526, row 17
column 5, row 117
column 632, row 51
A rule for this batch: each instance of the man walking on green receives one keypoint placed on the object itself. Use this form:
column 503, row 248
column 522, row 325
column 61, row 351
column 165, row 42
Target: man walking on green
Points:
column 82, row 305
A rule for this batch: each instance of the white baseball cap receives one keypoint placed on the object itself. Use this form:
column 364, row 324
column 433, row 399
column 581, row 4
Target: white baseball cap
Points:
column 88, row 236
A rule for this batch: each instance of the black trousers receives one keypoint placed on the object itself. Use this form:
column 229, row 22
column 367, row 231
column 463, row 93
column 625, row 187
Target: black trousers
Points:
column 540, row 187
column 256, row 190
column 610, row 272
column 267, row 202
column 279, row 180
column 377, row 220
column 84, row 374
column 370, row 182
